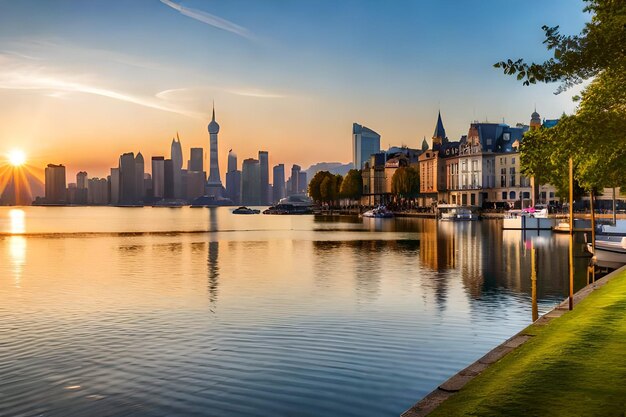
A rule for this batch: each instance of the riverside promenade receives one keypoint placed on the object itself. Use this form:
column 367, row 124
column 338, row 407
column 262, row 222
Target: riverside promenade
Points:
column 564, row 364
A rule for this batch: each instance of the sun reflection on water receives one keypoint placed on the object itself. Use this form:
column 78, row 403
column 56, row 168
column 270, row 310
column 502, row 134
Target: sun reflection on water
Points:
column 17, row 222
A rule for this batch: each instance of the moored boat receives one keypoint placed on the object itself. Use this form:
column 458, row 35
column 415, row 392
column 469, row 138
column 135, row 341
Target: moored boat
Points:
column 245, row 210
column 453, row 212
column 379, row 212
column 609, row 249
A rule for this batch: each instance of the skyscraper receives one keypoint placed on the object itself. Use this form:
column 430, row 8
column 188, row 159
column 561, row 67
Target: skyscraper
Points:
column 295, row 176
column 168, row 179
column 140, row 191
column 158, row 176
column 97, row 191
column 81, row 188
column 264, row 177
column 177, row 166
column 214, row 184
column 233, row 179
column 250, row 182
column 196, row 160
column 114, row 186
column 128, row 181
column 302, row 183
column 365, row 142
column 55, row 184
column 279, row 183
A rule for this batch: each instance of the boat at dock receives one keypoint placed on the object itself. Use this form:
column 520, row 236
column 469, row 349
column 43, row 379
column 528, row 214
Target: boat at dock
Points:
column 609, row 250
column 379, row 212
column 246, row 210
column 453, row 212
column 528, row 219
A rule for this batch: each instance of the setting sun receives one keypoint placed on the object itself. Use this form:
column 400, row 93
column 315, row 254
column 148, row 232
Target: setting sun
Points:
column 17, row 158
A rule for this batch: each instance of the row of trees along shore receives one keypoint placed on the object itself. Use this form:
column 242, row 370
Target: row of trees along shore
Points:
column 329, row 189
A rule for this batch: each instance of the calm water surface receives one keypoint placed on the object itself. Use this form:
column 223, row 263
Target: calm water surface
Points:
column 198, row 312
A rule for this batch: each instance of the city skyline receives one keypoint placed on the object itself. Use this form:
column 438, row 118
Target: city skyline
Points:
column 71, row 95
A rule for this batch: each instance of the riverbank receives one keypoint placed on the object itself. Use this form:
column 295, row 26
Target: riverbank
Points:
column 575, row 366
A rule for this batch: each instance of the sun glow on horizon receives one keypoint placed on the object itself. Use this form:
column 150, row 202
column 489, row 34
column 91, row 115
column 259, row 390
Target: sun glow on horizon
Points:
column 16, row 157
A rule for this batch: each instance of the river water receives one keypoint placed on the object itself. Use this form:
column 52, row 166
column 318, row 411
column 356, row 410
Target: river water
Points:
column 199, row 312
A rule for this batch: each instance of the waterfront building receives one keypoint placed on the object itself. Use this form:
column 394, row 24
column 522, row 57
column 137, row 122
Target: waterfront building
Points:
column 195, row 184
column 158, row 177
column 278, row 175
column 196, row 160
column 214, row 184
column 294, row 187
column 176, row 154
column 97, row 190
column 264, row 177
column 365, row 142
column 140, row 191
column 168, row 179
column 81, row 194
column 128, row 180
column 250, row 182
column 233, row 179
column 114, row 186
column 55, row 192
column 374, row 181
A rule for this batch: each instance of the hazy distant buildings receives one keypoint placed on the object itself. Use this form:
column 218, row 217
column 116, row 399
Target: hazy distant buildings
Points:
column 81, row 193
column 250, row 182
column 140, row 191
column 195, row 184
column 168, row 179
column 196, row 160
column 158, row 176
column 233, row 179
column 97, row 191
column 214, row 184
column 365, row 142
column 297, row 183
column 279, row 183
column 264, row 177
column 55, row 184
column 176, row 153
column 114, row 186
column 128, row 180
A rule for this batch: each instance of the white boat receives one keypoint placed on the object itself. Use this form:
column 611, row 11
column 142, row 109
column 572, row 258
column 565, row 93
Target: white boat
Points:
column 609, row 249
column 561, row 227
column 452, row 212
column 618, row 229
column 527, row 219
column 379, row 212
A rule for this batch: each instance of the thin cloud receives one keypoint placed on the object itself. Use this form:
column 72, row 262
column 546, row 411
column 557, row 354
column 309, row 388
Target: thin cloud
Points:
column 210, row 19
column 16, row 76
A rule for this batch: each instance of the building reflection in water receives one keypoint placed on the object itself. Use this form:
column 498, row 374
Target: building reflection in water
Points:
column 213, row 271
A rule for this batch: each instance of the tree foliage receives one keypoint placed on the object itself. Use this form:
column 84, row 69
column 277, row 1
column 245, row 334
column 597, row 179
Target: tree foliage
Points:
column 352, row 185
column 324, row 186
column 600, row 45
column 595, row 135
column 405, row 182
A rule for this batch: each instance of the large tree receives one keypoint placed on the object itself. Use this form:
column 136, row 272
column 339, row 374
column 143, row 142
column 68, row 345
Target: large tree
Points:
column 595, row 135
column 405, row 182
column 352, row 185
column 324, row 187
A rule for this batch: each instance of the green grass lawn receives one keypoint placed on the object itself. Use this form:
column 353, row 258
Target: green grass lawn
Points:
column 575, row 366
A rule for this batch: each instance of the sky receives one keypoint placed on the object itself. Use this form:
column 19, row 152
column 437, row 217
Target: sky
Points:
column 83, row 81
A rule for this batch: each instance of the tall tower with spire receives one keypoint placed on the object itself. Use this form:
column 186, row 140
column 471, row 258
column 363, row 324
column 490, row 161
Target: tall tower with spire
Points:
column 535, row 120
column 214, row 184
column 176, row 153
column 439, row 135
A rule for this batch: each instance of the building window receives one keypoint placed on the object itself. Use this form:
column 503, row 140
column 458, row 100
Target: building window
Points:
column 513, row 161
column 473, row 199
column 504, row 195
column 512, row 195
column 551, row 194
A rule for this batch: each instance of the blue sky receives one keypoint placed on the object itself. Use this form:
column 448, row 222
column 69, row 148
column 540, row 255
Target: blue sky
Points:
column 287, row 76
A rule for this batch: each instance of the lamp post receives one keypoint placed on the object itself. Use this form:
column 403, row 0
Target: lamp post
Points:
column 571, row 233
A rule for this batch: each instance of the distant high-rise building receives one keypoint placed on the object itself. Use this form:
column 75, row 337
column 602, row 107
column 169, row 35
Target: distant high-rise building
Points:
column 140, row 190
column 233, row 179
column 250, row 182
column 365, row 142
column 195, row 184
column 264, row 178
column 168, row 179
column 114, row 186
column 147, row 184
column 196, row 160
column 55, row 184
column 128, row 181
column 214, row 184
column 177, row 166
column 302, row 183
column 97, row 191
column 279, row 183
column 81, row 188
column 232, row 161
column 158, row 176
column 295, row 176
